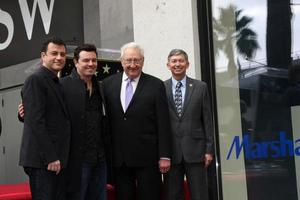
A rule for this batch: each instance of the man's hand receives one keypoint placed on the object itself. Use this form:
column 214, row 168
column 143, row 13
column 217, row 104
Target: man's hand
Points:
column 54, row 166
column 164, row 165
column 207, row 159
column 21, row 110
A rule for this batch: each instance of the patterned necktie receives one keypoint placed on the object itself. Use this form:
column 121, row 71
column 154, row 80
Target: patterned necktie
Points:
column 128, row 93
column 178, row 98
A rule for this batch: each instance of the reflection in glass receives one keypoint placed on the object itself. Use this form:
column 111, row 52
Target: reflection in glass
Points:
column 228, row 36
column 253, row 43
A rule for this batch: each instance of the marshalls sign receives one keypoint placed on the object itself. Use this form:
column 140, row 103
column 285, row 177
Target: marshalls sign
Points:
column 25, row 24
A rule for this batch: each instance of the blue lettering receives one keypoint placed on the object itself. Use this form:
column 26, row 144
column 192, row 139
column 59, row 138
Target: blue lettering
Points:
column 275, row 149
column 238, row 147
column 278, row 148
column 297, row 149
column 283, row 143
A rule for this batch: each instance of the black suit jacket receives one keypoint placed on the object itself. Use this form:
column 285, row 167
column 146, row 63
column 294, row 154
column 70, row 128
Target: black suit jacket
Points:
column 46, row 132
column 74, row 90
column 141, row 135
column 192, row 133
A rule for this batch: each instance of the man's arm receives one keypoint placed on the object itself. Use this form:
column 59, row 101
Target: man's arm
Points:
column 164, row 129
column 208, row 127
column 34, row 100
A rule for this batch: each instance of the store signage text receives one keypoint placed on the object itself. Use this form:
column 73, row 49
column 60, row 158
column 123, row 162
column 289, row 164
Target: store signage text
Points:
column 28, row 19
column 282, row 147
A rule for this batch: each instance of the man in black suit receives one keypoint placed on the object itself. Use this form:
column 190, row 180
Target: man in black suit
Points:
column 192, row 132
column 138, row 114
column 46, row 134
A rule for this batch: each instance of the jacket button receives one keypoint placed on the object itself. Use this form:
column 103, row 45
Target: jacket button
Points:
column 125, row 118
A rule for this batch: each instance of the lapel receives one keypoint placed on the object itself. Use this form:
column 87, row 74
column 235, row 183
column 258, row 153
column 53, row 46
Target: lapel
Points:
column 170, row 94
column 100, row 87
column 117, row 91
column 138, row 90
column 58, row 95
column 188, row 93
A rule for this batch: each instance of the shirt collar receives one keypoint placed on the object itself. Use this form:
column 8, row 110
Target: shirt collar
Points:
column 49, row 74
column 183, row 81
column 125, row 78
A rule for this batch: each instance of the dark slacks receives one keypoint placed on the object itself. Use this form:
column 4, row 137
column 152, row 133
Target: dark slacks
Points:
column 141, row 183
column 93, row 181
column 45, row 184
column 196, row 178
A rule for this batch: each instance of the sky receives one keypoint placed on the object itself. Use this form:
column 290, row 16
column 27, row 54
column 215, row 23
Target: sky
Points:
column 257, row 9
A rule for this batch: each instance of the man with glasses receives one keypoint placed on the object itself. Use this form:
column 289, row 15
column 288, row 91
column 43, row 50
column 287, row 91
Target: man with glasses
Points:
column 46, row 134
column 138, row 113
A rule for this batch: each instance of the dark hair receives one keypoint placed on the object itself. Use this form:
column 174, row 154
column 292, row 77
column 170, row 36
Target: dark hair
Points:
column 54, row 40
column 84, row 47
column 175, row 52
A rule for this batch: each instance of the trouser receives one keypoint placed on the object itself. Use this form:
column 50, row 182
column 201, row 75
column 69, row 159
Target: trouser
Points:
column 45, row 184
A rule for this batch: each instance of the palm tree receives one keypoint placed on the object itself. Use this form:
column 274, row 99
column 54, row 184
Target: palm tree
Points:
column 229, row 36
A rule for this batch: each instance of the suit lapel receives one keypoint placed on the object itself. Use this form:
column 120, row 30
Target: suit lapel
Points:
column 58, row 95
column 170, row 94
column 188, row 93
column 117, row 92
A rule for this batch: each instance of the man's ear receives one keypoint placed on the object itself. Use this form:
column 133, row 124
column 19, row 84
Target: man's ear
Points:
column 168, row 65
column 75, row 61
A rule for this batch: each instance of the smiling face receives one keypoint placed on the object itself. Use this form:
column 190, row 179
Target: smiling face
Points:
column 132, row 62
column 54, row 58
column 178, row 65
column 86, row 64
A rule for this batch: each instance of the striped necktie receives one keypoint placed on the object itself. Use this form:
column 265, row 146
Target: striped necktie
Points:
column 178, row 98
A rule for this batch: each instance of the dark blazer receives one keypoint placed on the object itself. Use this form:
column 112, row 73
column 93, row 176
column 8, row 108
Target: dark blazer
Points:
column 141, row 135
column 74, row 90
column 192, row 133
column 46, row 132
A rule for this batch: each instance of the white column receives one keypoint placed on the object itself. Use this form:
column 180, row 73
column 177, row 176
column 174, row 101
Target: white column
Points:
column 162, row 25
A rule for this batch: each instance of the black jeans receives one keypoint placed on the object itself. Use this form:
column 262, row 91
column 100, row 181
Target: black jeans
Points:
column 45, row 184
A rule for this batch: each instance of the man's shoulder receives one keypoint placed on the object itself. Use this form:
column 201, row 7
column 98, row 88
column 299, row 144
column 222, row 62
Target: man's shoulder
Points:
column 152, row 78
column 65, row 79
column 112, row 78
column 196, row 82
column 37, row 75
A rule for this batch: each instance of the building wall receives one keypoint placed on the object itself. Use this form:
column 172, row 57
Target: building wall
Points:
column 162, row 25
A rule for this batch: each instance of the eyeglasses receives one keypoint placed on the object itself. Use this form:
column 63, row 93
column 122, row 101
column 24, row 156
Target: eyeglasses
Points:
column 134, row 61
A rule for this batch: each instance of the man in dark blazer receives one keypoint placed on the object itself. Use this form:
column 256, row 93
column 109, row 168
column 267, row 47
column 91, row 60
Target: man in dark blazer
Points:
column 192, row 131
column 46, row 134
column 87, row 169
column 138, row 113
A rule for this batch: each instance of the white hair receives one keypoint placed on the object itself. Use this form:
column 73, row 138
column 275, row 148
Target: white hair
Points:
column 132, row 45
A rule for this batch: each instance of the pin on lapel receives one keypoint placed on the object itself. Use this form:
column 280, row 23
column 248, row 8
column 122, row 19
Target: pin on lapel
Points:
column 191, row 85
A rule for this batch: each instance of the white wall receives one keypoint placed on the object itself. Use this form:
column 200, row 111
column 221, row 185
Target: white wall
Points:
column 162, row 25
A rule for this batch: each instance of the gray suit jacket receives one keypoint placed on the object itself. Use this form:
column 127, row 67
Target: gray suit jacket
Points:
column 192, row 133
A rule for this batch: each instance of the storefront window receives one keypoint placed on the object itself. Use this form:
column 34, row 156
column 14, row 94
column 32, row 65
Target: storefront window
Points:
column 257, row 70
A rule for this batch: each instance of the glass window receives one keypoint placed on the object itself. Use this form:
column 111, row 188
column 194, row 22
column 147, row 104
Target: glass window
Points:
column 257, row 69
